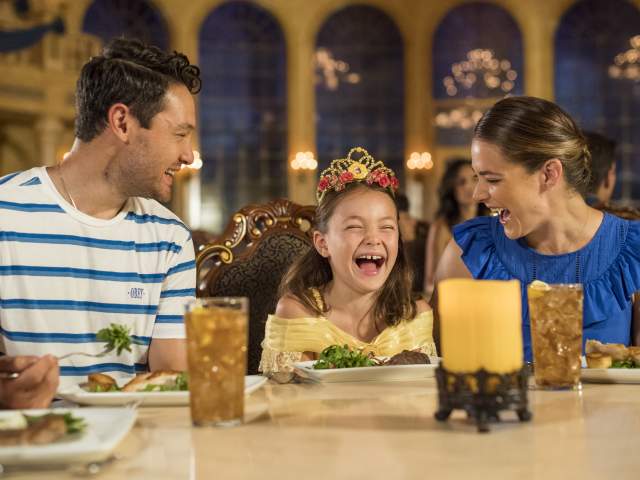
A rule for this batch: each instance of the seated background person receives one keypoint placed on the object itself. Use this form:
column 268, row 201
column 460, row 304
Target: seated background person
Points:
column 455, row 205
column 603, row 177
column 603, row 168
column 86, row 243
column 414, row 238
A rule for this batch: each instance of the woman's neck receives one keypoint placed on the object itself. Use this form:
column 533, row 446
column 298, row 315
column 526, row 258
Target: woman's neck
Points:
column 571, row 226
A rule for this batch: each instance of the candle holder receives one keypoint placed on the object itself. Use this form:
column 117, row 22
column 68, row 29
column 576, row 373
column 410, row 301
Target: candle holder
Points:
column 482, row 395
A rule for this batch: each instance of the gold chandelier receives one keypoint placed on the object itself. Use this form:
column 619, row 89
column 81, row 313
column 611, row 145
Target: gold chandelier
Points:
column 626, row 65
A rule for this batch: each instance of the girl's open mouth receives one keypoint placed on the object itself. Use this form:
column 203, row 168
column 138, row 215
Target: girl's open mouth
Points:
column 370, row 264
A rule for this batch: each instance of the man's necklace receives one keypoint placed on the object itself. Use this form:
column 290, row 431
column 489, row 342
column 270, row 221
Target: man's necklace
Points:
column 64, row 185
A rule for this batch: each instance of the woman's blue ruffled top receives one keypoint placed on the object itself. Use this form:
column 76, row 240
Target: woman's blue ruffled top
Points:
column 608, row 267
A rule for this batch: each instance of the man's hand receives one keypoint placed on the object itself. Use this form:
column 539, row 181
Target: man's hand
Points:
column 36, row 384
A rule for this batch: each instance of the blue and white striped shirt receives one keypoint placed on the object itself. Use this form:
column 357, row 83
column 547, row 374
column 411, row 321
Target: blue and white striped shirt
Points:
column 65, row 275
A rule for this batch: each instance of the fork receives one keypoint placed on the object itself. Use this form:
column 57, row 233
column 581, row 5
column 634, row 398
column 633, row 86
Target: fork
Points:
column 94, row 355
column 14, row 375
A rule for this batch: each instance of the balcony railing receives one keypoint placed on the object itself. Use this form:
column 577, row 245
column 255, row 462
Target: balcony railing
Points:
column 65, row 53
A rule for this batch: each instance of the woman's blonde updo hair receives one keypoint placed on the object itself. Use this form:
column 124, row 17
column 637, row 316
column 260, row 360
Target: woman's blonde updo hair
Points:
column 530, row 131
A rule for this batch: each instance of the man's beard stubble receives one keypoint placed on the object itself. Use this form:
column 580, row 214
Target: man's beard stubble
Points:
column 135, row 174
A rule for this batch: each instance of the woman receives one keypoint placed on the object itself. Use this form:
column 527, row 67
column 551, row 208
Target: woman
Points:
column 456, row 205
column 533, row 168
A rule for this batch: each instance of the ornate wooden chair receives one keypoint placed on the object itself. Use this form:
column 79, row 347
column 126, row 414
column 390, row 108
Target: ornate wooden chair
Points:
column 250, row 258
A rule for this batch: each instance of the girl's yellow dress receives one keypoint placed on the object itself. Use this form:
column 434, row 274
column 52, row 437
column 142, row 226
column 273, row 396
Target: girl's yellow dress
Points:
column 286, row 339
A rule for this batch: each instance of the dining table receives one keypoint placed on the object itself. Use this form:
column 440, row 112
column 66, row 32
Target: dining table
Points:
column 382, row 430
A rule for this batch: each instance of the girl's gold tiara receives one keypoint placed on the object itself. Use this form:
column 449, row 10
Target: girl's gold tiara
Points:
column 343, row 171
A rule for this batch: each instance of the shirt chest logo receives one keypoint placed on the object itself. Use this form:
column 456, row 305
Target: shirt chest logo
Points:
column 136, row 293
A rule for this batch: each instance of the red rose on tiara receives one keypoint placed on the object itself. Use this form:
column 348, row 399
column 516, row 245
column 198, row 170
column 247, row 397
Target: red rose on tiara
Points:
column 323, row 184
column 395, row 183
column 384, row 180
column 346, row 177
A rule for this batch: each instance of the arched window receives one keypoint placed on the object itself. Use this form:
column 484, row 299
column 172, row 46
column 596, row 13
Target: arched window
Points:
column 242, row 111
column 596, row 84
column 360, row 86
column 139, row 19
column 477, row 59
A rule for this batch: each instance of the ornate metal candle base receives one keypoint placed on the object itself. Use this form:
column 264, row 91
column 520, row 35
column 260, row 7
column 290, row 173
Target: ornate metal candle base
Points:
column 482, row 395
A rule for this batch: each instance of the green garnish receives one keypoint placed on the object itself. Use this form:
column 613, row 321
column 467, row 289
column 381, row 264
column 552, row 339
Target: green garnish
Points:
column 182, row 381
column 336, row 356
column 117, row 338
column 180, row 385
column 623, row 364
column 73, row 424
column 104, row 389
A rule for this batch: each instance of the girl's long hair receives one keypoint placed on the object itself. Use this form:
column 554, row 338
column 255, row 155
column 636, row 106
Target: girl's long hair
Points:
column 394, row 302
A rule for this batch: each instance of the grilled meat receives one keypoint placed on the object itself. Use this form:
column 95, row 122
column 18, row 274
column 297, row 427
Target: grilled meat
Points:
column 408, row 357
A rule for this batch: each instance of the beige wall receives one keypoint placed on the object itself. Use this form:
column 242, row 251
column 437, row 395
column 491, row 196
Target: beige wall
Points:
column 41, row 93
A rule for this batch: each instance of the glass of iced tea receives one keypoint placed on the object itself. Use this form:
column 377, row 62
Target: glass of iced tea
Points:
column 217, row 359
column 555, row 312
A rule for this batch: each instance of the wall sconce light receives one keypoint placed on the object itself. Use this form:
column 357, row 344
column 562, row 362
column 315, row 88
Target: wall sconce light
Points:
column 419, row 162
column 304, row 161
column 197, row 161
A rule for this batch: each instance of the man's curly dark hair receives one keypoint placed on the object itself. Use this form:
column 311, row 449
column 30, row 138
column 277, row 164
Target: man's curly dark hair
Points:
column 132, row 73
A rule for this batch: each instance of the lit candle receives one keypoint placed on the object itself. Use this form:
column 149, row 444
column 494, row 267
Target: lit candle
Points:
column 480, row 325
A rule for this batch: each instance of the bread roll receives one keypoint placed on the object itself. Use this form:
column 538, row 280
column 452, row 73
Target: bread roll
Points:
column 599, row 360
column 617, row 351
column 100, row 380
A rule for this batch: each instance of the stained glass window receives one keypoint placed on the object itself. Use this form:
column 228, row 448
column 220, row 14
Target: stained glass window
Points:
column 243, row 124
column 589, row 38
column 360, row 86
column 477, row 59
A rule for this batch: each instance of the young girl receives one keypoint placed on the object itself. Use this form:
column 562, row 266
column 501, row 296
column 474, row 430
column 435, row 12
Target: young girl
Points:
column 354, row 287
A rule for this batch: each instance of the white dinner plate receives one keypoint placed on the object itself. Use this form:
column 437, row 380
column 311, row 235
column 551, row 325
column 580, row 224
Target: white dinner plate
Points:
column 366, row 374
column 106, row 427
column 79, row 395
column 610, row 375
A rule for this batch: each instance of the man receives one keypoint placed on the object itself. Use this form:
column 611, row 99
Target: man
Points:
column 85, row 244
column 603, row 168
